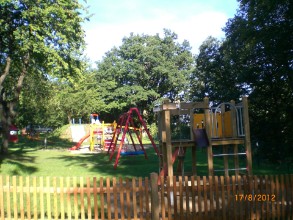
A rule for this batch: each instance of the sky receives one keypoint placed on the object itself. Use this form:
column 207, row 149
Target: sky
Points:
column 191, row 20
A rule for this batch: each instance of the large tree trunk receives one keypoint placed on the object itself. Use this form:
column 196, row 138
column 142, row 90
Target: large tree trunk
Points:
column 4, row 110
column 7, row 112
column 6, row 122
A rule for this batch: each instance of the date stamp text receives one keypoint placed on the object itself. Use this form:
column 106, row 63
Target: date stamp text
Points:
column 255, row 197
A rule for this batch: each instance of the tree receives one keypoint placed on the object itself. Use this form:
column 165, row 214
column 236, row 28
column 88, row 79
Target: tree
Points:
column 44, row 38
column 76, row 100
column 213, row 76
column 33, row 102
column 143, row 69
column 259, row 46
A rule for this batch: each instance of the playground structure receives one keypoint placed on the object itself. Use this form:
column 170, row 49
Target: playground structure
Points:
column 127, row 124
column 224, row 125
column 99, row 134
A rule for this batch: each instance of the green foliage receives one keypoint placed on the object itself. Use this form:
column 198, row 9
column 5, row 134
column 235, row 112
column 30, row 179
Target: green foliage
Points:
column 213, row 76
column 143, row 69
column 255, row 59
column 261, row 37
column 63, row 133
column 42, row 39
column 153, row 129
column 76, row 100
column 33, row 102
column 48, row 32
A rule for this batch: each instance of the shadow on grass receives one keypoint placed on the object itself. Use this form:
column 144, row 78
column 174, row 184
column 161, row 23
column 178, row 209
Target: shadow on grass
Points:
column 21, row 157
column 128, row 166
column 18, row 160
column 131, row 166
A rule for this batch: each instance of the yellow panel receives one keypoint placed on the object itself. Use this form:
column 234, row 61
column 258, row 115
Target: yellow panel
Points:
column 228, row 124
column 218, row 124
column 197, row 120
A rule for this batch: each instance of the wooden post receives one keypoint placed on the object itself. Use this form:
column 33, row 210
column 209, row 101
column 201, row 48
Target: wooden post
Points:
column 247, row 134
column 168, row 142
column 223, row 121
column 233, row 119
column 234, row 135
column 162, row 137
column 193, row 149
column 165, row 126
column 209, row 134
column 225, row 147
column 191, row 123
column 154, row 197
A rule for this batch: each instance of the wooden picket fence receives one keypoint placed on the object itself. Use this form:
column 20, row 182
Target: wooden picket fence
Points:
column 241, row 197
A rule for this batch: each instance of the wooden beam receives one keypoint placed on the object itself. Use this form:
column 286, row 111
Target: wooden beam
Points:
column 227, row 141
column 182, row 106
column 247, row 134
column 180, row 111
column 192, row 105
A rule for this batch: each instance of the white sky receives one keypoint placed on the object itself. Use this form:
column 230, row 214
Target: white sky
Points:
column 191, row 20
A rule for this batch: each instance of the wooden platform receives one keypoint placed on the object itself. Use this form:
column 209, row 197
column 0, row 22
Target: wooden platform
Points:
column 226, row 141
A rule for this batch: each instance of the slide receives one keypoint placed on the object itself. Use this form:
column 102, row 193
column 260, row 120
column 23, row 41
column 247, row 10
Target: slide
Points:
column 77, row 146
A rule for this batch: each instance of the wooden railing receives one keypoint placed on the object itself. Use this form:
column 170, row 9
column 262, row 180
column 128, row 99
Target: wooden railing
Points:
column 242, row 197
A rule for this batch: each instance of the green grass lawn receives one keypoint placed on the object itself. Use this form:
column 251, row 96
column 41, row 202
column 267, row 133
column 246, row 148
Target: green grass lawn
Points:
column 30, row 158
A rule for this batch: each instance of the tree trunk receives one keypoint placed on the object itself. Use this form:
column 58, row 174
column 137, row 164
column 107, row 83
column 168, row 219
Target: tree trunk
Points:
column 69, row 119
column 7, row 107
column 6, row 122
column 4, row 110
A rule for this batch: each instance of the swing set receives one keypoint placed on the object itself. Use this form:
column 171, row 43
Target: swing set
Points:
column 127, row 126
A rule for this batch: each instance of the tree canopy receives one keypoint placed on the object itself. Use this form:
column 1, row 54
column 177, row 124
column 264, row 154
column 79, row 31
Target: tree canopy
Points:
column 255, row 59
column 259, row 42
column 43, row 38
column 213, row 75
column 143, row 69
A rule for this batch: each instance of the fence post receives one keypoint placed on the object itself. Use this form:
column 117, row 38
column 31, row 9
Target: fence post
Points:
column 154, row 196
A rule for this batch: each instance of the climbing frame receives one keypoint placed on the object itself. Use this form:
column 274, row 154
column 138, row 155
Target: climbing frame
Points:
column 218, row 127
column 169, row 148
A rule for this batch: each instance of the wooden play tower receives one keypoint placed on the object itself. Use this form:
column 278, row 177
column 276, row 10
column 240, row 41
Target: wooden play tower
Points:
column 223, row 126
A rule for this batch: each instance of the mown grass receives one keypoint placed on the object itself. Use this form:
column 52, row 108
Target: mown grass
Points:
column 32, row 158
